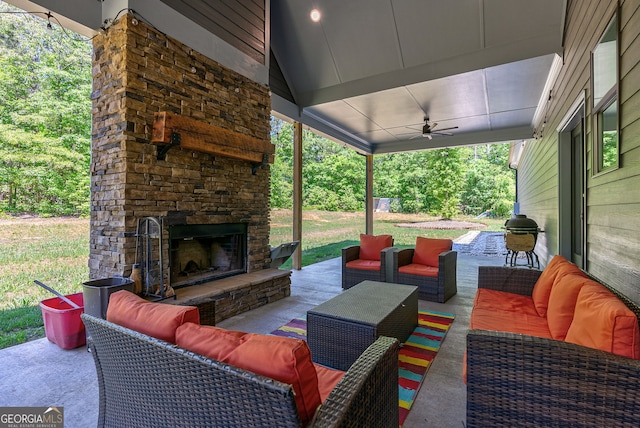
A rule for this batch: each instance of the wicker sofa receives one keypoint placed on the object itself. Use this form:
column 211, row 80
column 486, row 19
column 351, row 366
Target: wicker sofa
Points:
column 516, row 378
column 144, row 381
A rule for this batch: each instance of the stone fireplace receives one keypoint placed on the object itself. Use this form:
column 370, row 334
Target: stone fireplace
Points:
column 138, row 72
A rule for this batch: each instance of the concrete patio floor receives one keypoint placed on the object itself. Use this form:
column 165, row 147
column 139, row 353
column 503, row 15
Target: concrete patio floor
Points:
column 39, row 373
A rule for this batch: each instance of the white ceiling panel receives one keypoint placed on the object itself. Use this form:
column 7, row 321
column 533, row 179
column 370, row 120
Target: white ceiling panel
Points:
column 507, row 21
column 512, row 118
column 388, row 108
column 363, row 48
column 517, row 85
column 431, row 31
column 380, row 136
column 340, row 111
column 313, row 69
column 372, row 68
column 456, row 96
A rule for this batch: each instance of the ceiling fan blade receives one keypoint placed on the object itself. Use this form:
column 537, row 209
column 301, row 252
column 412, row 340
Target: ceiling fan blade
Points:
column 428, row 136
column 447, row 129
column 448, row 134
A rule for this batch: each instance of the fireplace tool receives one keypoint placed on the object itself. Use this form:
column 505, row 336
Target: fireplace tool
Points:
column 149, row 250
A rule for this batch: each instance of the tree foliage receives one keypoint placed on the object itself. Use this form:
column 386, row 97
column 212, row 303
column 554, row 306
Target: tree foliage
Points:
column 45, row 117
column 333, row 176
column 444, row 182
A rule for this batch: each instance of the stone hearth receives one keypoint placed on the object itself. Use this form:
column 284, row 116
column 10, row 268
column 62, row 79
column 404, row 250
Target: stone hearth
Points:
column 137, row 72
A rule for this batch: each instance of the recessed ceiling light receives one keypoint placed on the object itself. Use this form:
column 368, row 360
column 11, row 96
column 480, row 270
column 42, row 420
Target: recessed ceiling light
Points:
column 315, row 15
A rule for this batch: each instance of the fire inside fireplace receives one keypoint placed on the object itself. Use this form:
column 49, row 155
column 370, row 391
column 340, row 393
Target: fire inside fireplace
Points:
column 205, row 252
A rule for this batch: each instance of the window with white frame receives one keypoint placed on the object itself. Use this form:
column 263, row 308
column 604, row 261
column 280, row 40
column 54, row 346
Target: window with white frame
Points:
column 604, row 60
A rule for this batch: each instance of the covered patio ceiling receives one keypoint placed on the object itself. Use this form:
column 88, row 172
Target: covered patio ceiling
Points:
column 370, row 71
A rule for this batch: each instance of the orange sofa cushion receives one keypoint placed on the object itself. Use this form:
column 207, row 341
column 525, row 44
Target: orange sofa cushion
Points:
column 503, row 301
column 280, row 358
column 428, row 250
column 416, row 269
column 562, row 303
column 284, row 359
column 602, row 321
column 207, row 340
column 511, row 322
column 565, row 269
column 363, row 264
column 328, row 378
column 370, row 246
column 159, row 320
column 542, row 288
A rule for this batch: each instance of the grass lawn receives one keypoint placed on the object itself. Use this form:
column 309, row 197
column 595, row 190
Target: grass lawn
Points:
column 55, row 251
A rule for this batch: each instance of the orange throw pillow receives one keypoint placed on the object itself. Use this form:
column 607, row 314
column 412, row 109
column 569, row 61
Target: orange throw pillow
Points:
column 542, row 288
column 428, row 250
column 284, row 359
column 281, row 358
column 602, row 321
column 562, row 304
column 159, row 320
column 370, row 246
column 213, row 342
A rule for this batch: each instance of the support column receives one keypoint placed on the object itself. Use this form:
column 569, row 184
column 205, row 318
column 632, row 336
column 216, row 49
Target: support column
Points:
column 296, row 262
column 369, row 196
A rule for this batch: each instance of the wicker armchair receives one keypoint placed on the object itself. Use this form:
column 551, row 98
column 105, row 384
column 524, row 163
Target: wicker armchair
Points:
column 351, row 277
column 526, row 381
column 146, row 382
column 355, row 275
column 438, row 288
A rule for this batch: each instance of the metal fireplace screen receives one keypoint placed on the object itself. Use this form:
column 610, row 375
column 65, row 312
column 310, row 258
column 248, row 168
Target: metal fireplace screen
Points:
column 205, row 252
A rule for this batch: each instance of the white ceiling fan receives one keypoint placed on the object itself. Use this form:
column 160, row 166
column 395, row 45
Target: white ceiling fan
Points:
column 428, row 130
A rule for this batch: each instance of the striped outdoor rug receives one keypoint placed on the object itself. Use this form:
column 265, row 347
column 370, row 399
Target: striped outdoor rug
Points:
column 414, row 358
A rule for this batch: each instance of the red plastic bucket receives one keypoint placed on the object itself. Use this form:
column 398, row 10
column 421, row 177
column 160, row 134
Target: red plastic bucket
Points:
column 62, row 323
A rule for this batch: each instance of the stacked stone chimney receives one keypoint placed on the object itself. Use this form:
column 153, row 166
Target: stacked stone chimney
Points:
column 138, row 71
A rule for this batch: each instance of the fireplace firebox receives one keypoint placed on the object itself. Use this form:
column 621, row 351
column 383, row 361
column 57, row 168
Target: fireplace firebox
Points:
column 205, row 252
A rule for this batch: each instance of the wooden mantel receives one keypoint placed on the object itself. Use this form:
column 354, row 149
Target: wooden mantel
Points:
column 203, row 137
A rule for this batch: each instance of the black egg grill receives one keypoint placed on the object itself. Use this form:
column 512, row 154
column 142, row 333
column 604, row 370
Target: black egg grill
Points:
column 521, row 235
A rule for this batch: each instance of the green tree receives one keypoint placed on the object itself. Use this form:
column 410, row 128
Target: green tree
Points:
column 336, row 183
column 45, row 86
column 404, row 176
column 446, row 169
column 282, row 167
column 41, row 175
column 333, row 176
column 489, row 183
column 438, row 182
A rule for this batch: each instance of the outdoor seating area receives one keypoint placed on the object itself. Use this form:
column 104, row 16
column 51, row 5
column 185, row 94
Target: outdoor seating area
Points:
column 40, row 373
column 430, row 265
column 511, row 376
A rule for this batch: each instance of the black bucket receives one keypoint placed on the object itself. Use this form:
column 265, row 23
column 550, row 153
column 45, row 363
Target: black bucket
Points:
column 97, row 293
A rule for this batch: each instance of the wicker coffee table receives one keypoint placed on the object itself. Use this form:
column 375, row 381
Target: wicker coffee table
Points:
column 340, row 329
